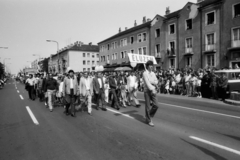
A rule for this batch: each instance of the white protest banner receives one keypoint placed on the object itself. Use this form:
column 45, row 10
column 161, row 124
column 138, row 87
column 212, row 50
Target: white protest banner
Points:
column 137, row 58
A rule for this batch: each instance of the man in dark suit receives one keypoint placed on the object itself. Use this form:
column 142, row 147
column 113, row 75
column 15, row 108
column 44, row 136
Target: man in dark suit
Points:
column 98, row 89
column 113, row 87
column 223, row 84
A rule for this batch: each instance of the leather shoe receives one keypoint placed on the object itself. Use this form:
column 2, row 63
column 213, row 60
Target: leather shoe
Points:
column 73, row 115
column 104, row 109
column 138, row 106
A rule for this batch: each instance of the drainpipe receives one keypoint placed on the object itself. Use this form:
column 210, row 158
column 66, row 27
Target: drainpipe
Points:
column 201, row 45
column 177, row 29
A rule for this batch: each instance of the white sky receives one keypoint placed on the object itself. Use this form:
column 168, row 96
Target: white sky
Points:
column 25, row 25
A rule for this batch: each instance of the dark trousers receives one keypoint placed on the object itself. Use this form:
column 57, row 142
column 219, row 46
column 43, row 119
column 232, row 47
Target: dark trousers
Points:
column 150, row 108
column 70, row 102
column 31, row 92
column 223, row 92
column 214, row 92
column 100, row 98
column 115, row 103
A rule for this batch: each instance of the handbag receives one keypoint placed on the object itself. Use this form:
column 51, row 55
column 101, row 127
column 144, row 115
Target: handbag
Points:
column 27, row 86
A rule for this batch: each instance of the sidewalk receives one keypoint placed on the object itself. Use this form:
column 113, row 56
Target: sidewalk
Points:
column 188, row 98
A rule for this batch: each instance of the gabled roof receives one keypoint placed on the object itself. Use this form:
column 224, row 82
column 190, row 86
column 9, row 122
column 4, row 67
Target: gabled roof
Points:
column 147, row 24
column 208, row 2
column 173, row 14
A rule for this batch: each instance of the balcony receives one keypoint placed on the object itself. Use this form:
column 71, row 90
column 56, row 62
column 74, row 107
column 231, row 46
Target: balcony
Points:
column 188, row 51
column 209, row 48
column 235, row 45
column 158, row 55
column 171, row 52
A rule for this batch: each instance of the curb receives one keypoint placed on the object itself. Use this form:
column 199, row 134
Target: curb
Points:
column 232, row 102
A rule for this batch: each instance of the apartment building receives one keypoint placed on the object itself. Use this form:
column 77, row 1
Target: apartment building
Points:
column 114, row 50
column 230, row 33
column 199, row 35
column 78, row 56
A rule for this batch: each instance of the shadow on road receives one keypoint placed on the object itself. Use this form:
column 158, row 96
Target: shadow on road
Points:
column 133, row 114
column 206, row 151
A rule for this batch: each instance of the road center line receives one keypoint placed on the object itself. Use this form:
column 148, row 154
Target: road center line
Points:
column 21, row 97
column 120, row 113
column 32, row 116
column 18, row 91
column 176, row 106
column 216, row 145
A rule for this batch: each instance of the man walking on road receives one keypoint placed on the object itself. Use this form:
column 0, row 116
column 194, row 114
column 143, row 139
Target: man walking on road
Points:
column 86, row 90
column 51, row 87
column 98, row 88
column 113, row 88
column 150, row 82
column 70, row 91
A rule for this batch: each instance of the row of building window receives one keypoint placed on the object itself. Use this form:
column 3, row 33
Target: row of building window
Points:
column 210, row 18
column 141, row 37
column 88, row 62
column 89, row 54
column 210, row 61
column 86, row 69
column 123, row 54
column 210, row 44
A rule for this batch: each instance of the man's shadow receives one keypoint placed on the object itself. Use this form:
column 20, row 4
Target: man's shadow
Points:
column 133, row 114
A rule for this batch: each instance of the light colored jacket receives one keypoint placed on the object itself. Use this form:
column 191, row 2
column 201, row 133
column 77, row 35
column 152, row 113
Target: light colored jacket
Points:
column 132, row 83
column 150, row 80
column 83, row 88
column 66, row 86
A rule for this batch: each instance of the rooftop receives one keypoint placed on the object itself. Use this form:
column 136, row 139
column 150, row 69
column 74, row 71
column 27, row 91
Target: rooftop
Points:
column 147, row 24
column 80, row 47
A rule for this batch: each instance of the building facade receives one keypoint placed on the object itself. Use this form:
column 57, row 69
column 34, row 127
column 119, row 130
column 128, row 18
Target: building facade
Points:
column 199, row 35
column 114, row 50
column 78, row 56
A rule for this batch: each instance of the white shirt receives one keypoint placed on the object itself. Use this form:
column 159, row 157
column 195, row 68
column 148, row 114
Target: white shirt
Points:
column 131, row 81
column 61, row 87
column 87, row 83
column 178, row 78
column 100, row 82
column 149, row 78
column 71, row 83
column 30, row 81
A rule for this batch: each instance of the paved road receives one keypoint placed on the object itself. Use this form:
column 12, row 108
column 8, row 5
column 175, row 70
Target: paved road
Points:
column 185, row 129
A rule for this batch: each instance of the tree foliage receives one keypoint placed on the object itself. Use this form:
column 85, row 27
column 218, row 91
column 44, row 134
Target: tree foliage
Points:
column 1, row 69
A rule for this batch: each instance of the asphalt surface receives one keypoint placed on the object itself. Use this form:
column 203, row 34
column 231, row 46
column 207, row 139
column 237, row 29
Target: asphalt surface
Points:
column 185, row 129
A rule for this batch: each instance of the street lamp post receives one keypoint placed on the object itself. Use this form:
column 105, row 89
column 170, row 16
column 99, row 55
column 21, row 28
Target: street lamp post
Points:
column 57, row 51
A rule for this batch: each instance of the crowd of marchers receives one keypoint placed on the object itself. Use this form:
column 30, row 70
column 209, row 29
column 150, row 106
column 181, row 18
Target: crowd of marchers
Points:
column 78, row 91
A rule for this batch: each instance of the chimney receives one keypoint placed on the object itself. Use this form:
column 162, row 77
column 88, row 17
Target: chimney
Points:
column 90, row 44
column 167, row 11
column 144, row 19
column 126, row 28
column 148, row 19
column 135, row 23
column 119, row 30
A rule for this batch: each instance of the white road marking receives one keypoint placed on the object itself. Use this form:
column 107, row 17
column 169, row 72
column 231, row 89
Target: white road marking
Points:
column 120, row 113
column 32, row 116
column 216, row 145
column 21, row 97
column 221, row 114
column 18, row 91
